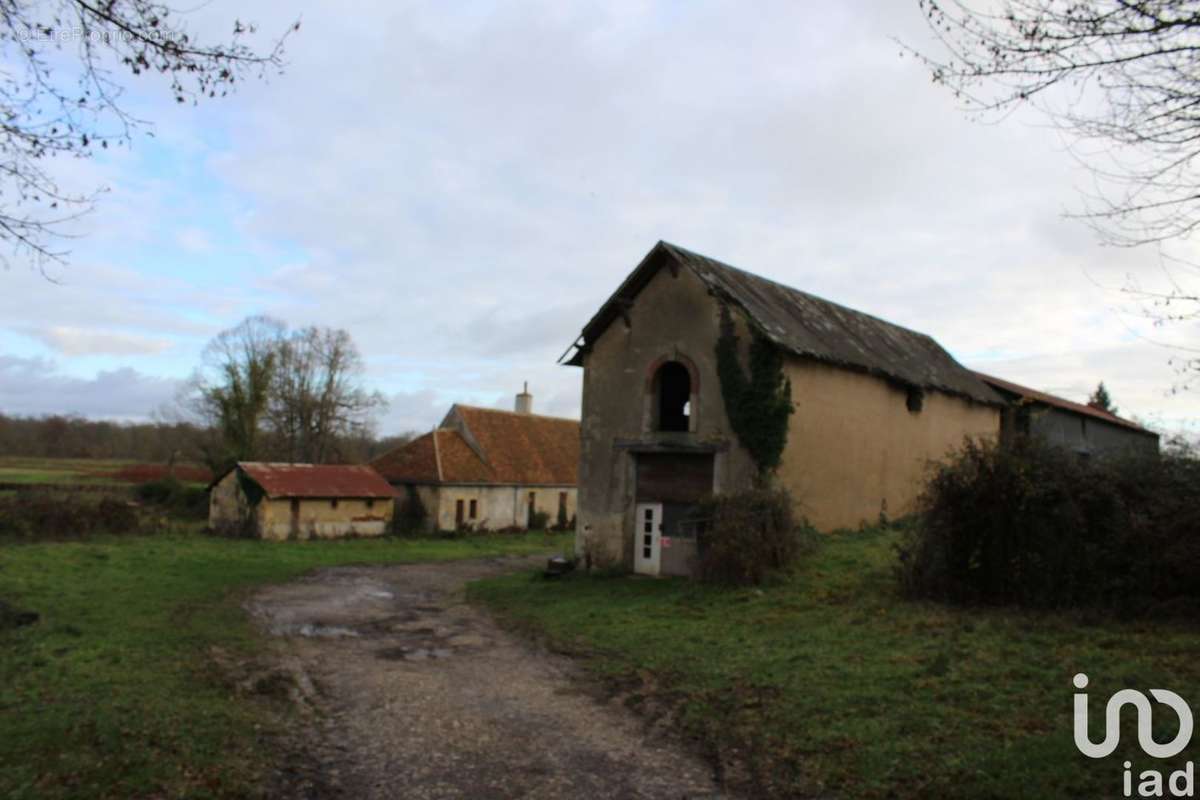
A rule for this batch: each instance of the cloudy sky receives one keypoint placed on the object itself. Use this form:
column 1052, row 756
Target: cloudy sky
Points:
column 460, row 185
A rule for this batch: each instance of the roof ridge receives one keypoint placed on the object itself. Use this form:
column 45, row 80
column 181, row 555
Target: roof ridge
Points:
column 511, row 413
column 834, row 303
column 1099, row 413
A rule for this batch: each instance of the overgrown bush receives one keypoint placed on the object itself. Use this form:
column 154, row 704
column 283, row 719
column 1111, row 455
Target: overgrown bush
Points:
column 31, row 516
column 746, row 536
column 539, row 521
column 174, row 497
column 1031, row 524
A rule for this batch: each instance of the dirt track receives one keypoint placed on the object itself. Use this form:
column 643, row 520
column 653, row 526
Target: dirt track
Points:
column 411, row 693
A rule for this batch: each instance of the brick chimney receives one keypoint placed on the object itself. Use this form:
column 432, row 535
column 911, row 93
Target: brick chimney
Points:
column 525, row 401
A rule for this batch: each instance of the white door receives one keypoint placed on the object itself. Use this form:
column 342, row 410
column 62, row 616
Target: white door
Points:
column 647, row 547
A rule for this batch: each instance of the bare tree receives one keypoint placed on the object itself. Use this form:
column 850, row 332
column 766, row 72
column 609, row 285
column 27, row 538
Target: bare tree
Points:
column 1122, row 78
column 317, row 402
column 59, row 95
column 231, row 390
column 1121, row 73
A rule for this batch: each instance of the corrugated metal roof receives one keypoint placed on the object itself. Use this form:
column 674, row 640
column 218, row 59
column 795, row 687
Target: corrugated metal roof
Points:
column 484, row 445
column 1059, row 402
column 316, row 480
column 809, row 326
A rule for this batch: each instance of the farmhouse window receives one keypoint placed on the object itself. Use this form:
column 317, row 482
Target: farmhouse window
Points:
column 370, row 504
column 562, row 504
column 473, row 510
column 333, row 503
column 673, row 390
column 458, row 512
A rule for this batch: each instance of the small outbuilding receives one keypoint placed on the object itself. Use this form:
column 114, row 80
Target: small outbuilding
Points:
column 300, row 501
column 1085, row 430
column 487, row 469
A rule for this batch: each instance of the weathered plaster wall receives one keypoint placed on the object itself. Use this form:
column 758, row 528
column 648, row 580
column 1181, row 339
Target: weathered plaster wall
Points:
column 228, row 510
column 319, row 519
column 498, row 507
column 853, row 445
column 672, row 317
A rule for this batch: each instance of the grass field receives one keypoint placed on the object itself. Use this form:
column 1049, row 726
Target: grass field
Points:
column 829, row 684
column 72, row 471
column 113, row 692
column 14, row 469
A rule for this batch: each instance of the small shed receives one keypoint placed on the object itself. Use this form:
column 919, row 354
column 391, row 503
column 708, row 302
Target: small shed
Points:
column 1084, row 430
column 300, row 501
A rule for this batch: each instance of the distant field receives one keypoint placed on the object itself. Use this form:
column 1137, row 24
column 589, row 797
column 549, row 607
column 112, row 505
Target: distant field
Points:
column 90, row 471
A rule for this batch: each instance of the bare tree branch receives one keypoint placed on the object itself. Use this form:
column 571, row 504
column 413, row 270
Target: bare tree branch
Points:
column 59, row 96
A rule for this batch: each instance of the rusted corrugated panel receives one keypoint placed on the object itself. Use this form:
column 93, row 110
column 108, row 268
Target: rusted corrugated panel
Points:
column 316, row 480
column 808, row 326
column 1059, row 402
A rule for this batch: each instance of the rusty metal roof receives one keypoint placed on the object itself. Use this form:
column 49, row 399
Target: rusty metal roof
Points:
column 316, row 480
column 1024, row 392
column 806, row 325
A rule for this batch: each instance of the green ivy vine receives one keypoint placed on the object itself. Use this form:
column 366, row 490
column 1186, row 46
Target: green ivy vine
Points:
column 758, row 404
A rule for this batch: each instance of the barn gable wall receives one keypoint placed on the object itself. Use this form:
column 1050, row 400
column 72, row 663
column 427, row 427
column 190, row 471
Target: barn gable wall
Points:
column 673, row 317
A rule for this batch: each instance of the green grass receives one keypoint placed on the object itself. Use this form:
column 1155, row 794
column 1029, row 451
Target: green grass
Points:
column 69, row 471
column 113, row 692
column 828, row 681
column 21, row 469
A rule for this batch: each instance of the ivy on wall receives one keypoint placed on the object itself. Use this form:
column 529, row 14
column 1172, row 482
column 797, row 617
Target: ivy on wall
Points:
column 758, row 404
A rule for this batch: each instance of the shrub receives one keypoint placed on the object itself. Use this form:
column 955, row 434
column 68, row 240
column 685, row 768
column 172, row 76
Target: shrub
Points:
column 539, row 521
column 175, row 497
column 746, row 536
column 1031, row 524
column 64, row 515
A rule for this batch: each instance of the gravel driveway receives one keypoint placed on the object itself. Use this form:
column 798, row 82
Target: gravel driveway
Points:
column 407, row 692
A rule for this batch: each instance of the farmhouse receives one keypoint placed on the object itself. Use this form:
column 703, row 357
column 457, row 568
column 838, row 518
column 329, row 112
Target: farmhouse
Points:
column 1085, row 430
column 873, row 402
column 487, row 469
column 300, row 501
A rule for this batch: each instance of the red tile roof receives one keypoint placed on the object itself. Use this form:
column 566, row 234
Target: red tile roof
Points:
column 483, row 445
column 1058, row 402
column 316, row 480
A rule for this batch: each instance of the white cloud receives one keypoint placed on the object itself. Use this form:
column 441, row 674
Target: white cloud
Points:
column 36, row 386
column 72, row 341
column 461, row 187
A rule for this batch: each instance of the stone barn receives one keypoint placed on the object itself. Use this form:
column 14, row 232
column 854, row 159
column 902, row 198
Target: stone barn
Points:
column 873, row 402
column 300, row 501
column 486, row 469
